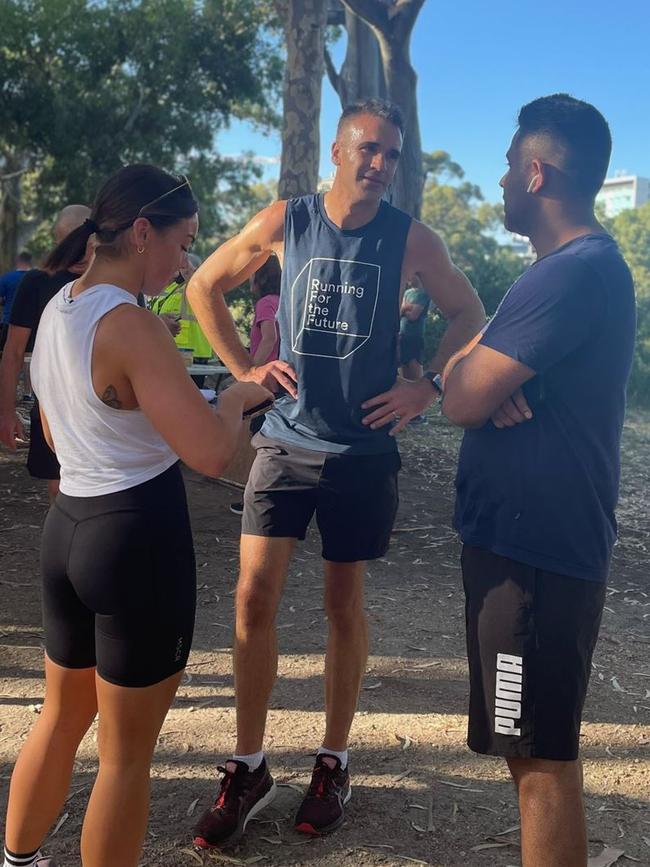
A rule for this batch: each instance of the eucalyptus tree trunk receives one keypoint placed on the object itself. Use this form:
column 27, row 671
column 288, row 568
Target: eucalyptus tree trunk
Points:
column 361, row 75
column 392, row 22
column 305, row 43
column 10, row 177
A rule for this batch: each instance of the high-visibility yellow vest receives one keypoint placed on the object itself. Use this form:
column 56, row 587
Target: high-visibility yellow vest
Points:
column 174, row 301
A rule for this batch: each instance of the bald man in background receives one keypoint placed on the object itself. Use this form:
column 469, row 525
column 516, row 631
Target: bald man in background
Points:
column 32, row 296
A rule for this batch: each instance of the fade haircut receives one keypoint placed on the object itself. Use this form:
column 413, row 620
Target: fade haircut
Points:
column 377, row 108
column 580, row 130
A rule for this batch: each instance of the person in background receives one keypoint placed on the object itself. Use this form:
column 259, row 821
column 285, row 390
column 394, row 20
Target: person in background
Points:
column 413, row 316
column 8, row 285
column 174, row 309
column 265, row 336
column 34, row 292
column 118, row 608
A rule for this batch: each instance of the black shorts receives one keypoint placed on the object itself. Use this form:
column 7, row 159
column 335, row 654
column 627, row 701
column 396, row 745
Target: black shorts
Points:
column 119, row 582
column 41, row 460
column 354, row 497
column 530, row 638
column 411, row 348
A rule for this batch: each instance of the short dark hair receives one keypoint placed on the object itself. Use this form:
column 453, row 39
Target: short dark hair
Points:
column 267, row 279
column 376, row 107
column 580, row 129
column 25, row 256
column 138, row 190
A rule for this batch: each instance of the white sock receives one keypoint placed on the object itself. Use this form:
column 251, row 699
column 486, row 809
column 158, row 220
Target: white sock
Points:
column 12, row 860
column 341, row 756
column 254, row 760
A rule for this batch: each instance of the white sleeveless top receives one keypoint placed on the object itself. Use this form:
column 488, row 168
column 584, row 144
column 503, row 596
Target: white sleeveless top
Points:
column 101, row 450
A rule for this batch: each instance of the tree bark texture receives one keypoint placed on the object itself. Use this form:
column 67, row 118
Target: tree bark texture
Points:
column 10, row 178
column 392, row 22
column 305, row 43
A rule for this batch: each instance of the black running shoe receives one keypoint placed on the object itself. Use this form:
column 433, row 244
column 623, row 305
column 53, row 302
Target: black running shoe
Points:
column 237, row 508
column 242, row 794
column 322, row 808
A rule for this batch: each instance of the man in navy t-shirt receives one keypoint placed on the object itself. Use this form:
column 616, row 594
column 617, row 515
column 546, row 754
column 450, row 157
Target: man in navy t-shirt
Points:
column 538, row 472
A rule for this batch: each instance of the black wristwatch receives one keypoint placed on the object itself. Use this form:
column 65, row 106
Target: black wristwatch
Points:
column 435, row 379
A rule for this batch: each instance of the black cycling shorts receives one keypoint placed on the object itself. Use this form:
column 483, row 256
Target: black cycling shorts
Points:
column 354, row 497
column 119, row 582
column 530, row 638
column 42, row 463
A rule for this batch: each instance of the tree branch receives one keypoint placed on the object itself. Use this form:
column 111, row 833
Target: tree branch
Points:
column 405, row 13
column 332, row 74
column 373, row 12
column 137, row 108
column 12, row 175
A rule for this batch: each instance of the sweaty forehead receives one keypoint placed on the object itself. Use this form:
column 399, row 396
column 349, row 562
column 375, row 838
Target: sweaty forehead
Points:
column 368, row 127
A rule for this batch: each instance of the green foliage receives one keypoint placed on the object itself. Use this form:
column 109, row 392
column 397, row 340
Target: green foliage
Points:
column 456, row 211
column 89, row 85
column 632, row 232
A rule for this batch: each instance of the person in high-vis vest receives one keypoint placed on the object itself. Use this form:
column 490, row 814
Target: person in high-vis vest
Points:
column 173, row 307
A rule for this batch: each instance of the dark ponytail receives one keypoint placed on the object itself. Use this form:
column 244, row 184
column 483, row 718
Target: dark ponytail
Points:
column 71, row 249
column 134, row 191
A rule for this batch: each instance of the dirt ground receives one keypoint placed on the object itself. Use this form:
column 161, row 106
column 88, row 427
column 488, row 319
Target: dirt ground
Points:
column 419, row 795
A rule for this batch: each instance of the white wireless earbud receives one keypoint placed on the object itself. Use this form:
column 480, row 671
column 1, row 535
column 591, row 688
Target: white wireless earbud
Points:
column 531, row 184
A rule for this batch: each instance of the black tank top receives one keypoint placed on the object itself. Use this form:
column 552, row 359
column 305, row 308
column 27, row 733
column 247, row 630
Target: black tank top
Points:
column 338, row 320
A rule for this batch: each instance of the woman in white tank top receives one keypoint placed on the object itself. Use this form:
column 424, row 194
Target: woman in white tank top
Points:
column 119, row 410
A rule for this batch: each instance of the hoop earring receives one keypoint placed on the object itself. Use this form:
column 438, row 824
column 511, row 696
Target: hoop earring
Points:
column 140, row 249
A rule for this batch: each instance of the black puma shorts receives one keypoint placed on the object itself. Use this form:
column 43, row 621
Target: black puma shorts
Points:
column 530, row 639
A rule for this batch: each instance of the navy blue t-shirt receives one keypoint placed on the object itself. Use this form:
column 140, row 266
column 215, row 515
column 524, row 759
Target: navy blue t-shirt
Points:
column 544, row 492
column 338, row 319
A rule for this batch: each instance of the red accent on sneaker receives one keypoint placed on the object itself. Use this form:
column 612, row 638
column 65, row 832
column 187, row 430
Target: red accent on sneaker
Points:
column 322, row 809
column 242, row 794
column 306, row 828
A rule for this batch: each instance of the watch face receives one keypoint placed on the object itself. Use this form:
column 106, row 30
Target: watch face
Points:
column 435, row 380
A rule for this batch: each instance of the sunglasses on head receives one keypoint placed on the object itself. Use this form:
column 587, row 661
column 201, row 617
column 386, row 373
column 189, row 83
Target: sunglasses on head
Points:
column 184, row 183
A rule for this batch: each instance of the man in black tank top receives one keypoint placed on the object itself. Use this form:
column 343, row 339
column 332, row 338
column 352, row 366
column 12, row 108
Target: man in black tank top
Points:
column 328, row 445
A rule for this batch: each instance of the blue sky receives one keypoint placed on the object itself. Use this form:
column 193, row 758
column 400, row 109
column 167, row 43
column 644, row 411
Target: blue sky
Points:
column 478, row 61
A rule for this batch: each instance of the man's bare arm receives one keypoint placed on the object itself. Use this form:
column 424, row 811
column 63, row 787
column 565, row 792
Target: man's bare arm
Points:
column 448, row 288
column 268, row 329
column 481, row 382
column 228, row 267
column 427, row 260
column 412, row 312
column 13, row 355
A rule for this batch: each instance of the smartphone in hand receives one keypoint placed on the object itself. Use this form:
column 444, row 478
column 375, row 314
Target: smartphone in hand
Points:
column 258, row 409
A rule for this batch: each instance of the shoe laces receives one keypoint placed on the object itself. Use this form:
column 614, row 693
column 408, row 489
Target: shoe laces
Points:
column 225, row 786
column 322, row 781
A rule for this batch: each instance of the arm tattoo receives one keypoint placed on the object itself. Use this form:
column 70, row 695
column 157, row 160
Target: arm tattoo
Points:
column 110, row 398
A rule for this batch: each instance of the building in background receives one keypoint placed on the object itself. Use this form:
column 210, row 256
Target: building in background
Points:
column 622, row 192
column 521, row 246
